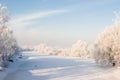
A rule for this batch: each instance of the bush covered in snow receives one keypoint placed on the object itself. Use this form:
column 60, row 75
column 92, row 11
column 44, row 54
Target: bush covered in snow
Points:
column 43, row 48
column 107, row 45
column 8, row 44
column 79, row 49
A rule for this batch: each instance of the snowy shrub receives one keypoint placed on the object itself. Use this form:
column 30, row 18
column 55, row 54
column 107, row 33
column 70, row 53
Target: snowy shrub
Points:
column 90, row 51
column 63, row 52
column 79, row 49
column 107, row 45
column 8, row 44
column 45, row 49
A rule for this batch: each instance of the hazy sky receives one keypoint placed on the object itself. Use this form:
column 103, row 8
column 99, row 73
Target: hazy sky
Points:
column 59, row 22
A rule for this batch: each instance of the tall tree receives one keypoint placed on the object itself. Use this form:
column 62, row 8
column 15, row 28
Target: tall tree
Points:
column 8, row 44
column 107, row 45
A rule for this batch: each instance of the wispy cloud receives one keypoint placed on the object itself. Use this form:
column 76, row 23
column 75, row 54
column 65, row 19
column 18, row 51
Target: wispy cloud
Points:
column 20, row 24
column 36, row 15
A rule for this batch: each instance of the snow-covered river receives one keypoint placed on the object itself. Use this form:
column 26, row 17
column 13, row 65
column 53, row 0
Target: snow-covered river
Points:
column 41, row 67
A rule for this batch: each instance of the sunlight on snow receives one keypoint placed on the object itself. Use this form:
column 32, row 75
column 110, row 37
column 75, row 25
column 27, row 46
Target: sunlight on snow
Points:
column 44, row 72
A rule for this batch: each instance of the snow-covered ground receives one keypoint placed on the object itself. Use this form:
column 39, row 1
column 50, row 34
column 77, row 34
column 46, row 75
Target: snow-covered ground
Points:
column 34, row 66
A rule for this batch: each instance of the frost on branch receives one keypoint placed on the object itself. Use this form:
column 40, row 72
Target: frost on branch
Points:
column 8, row 44
column 107, row 45
column 4, row 16
column 79, row 49
column 43, row 48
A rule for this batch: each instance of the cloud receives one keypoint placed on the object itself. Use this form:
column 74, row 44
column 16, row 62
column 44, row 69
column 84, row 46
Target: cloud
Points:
column 37, row 15
column 20, row 24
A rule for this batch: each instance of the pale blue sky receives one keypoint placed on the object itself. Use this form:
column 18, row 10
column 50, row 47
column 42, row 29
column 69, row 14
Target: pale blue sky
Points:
column 59, row 22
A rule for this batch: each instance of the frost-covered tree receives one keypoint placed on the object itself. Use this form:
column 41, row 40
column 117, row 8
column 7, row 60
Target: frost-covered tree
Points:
column 45, row 49
column 79, row 49
column 8, row 44
column 90, row 51
column 63, row 52
column 42, row 48
column 4, row 16
column 107, row 45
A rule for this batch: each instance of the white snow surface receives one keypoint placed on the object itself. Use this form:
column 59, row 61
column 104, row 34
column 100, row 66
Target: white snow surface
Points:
column 35, row 66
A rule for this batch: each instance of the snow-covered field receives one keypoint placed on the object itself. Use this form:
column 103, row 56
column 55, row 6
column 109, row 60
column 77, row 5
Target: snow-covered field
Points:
column 34, row 66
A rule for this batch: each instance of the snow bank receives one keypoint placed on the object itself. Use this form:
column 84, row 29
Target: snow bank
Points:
column 12, row 67
column 43, row 67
